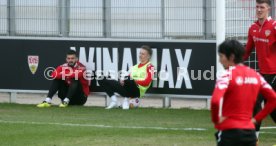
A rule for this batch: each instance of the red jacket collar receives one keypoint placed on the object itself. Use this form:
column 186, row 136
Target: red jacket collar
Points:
column 267, row 20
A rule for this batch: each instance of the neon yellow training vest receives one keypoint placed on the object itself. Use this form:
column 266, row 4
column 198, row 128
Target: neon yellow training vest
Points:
column 140, row 74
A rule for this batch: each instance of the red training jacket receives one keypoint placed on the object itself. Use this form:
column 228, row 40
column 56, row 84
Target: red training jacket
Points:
column 68, row 73
column 263, row 38
column 235, row 95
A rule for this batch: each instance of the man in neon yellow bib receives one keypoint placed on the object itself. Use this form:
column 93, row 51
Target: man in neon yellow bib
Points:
column 135, row 85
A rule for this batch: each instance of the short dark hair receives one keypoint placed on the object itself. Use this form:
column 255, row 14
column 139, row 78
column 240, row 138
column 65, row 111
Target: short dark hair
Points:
column 148, row 49
column 71, row 52
column 229, row 47
column 264, row 1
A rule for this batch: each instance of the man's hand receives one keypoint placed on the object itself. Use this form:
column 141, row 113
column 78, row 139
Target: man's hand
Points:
column 253, row 120
column 122, row 82
column 221, row 119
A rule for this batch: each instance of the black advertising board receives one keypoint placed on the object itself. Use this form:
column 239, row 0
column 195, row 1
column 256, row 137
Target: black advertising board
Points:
column 185, row 68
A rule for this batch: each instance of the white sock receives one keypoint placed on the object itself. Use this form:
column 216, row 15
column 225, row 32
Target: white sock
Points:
column 257, row 134
column 49, row 100
column 114, row 98
column 66, row 100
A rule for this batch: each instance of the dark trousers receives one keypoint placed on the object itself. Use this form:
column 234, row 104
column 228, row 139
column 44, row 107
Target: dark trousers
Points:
column 236, row 137
column 73, row 91
column 271, row 79
column 129, row 89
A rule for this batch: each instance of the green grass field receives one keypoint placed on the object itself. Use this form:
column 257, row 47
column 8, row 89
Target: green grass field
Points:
column 26, row 125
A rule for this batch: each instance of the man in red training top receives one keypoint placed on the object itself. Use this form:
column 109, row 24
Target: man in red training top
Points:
column 262, row 36
column 234, row 98
column 70, row 83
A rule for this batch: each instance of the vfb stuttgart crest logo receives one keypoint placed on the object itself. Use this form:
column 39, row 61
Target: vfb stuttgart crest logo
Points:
column 33, row 63
column 267, row 33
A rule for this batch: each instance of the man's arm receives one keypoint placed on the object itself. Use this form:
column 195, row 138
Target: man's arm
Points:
column 222, row 84
column 67, row 72
column 270, row 96
column 56, row 74
column 249, row 46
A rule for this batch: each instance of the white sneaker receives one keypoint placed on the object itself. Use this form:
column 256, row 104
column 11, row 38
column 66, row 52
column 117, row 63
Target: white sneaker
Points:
column 125, row 105
column 113, row 104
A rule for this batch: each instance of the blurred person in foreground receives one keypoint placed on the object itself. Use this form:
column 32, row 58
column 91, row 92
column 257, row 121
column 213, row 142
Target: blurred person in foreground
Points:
column 70, row 82
column 234, row 98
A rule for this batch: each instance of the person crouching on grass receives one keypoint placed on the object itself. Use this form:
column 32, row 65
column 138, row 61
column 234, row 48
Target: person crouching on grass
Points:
column 234, row 98
column 70, row 83
column 135, row 85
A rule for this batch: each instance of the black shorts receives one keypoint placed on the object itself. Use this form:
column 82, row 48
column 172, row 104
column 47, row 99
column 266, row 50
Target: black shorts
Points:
column 271, row 80
column 78, row 98
column 236, row 137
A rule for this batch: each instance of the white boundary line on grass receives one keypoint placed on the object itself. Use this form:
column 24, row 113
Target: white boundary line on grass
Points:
column 103, row 126
column 274, row 133
column 121, row 127
column 272, row 127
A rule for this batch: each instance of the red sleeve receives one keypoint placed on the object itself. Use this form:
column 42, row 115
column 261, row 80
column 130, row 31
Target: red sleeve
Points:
column 270, row 96
column 67, row 72
column 56, row 74
column 222, row 84
column 147, row 81
column 249, row 46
